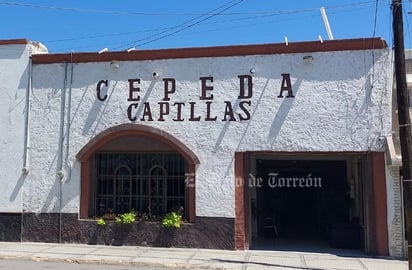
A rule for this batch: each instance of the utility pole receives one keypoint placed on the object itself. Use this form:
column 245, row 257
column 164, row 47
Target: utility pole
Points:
column 405, row 129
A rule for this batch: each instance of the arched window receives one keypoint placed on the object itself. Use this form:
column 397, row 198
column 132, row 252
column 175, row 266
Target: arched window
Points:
column 136, row 167
column 151, row 183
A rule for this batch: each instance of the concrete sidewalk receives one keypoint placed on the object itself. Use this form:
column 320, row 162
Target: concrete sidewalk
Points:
column 193, row 258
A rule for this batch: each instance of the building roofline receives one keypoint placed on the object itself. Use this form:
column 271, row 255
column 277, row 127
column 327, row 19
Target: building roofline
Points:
column 218, row 51
column 14, row 41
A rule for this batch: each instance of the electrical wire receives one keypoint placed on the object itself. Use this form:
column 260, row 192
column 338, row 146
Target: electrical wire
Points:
column 248, row 18
column 373, row 51
column 255, row 17
column 284, row 13
column 113, row 12
column 376, row 18
column 185, row 25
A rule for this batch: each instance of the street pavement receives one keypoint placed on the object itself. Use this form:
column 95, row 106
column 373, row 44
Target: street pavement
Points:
column 44, row 265
column 194, row 258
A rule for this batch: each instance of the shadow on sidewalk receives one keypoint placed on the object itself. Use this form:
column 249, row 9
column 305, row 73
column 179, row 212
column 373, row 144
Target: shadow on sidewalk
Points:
column 314, row 246
column 268, row 264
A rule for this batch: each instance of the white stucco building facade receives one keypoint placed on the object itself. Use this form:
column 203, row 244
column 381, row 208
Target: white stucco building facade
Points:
column 226, row 133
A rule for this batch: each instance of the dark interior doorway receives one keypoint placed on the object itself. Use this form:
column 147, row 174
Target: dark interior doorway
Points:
column 302, row 204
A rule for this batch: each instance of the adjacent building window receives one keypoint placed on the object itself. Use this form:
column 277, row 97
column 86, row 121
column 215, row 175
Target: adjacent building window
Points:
column 151, row 183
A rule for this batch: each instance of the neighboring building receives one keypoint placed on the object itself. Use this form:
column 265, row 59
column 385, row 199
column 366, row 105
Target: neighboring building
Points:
column 242, row 138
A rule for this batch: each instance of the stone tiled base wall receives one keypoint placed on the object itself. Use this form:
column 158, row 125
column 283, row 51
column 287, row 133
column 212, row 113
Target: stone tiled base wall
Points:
column 10, row 227
column 206, row 232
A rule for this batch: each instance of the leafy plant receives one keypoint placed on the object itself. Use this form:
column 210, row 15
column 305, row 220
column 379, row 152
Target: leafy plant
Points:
column 101, row 222
column 126, row 218
column 172, row 219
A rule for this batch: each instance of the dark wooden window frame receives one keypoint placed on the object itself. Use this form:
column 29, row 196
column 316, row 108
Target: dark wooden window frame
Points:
column 86, row 154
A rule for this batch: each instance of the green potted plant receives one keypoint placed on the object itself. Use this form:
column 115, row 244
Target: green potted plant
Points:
column 122, row 227
column 168, row 231
column 172, row 220
column 126, row 218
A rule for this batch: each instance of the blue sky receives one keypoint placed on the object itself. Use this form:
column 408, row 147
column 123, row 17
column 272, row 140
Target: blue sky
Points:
column 87, row 26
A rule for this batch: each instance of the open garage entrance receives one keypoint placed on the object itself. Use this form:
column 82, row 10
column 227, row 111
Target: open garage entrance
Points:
column 313, row 202
column 299, row 204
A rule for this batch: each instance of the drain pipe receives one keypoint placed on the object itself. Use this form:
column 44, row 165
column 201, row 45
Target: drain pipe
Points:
column 60, row 171
column 26, row 143
column 68, row 126
column 25, row 168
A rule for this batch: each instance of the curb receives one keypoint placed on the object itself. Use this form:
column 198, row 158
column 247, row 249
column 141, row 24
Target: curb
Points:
column 109, row 262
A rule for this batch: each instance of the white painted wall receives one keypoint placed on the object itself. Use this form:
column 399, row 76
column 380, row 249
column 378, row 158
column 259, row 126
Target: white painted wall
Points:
column 14, row 63
column 341, row 104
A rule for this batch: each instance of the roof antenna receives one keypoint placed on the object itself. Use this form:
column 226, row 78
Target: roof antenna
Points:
column 103, row 50
column 320, row 38
column 326, row 22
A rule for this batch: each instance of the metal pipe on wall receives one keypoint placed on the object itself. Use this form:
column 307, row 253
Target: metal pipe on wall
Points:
column 60, row 172
column 26, row 142
column 68, row 126
column 25, row 168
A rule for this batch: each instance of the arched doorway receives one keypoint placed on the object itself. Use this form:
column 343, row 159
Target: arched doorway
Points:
column 136, row 167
